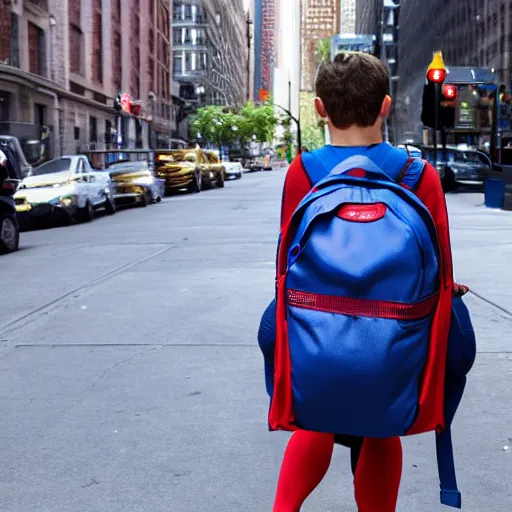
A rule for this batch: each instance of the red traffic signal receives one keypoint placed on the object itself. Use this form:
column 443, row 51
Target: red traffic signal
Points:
column 436, row 76
column 450, row 92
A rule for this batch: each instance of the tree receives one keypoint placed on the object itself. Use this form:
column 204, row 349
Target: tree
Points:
column 204, row 123
column 261, row 120
column 312, row 137
column 323, row 50
column 218, row 126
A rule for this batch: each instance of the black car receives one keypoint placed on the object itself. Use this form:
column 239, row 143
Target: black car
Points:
column 459, row 166
column 9, row 228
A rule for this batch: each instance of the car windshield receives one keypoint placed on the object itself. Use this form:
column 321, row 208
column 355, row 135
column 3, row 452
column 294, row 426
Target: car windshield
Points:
column 59, row 165
column 180, row 157
column 128, row 166
column 471, row 158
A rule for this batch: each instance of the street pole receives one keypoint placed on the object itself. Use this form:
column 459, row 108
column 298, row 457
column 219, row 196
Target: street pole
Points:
column 249, row 23
column 297, row 122
column 437, row 91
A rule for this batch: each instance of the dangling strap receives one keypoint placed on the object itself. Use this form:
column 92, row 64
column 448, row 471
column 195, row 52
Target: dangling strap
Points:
column 450, row 494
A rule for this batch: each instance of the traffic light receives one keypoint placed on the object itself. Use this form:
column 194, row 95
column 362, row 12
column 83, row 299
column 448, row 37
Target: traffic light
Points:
column 438, row 100
column 449, row 95
column 446, row 105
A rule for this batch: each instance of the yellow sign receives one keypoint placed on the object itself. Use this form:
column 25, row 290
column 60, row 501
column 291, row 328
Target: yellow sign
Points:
column 437, row 62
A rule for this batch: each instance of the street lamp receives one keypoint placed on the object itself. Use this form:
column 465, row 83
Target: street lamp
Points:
column 297, row 122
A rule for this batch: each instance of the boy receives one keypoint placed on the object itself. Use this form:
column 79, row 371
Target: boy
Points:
column 353, row 95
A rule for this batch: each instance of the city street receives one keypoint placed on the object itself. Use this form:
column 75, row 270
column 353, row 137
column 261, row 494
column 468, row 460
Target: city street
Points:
column 131, row 379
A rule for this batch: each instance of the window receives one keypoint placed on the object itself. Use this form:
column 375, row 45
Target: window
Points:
column 108, row 130
column 177, row 35
column 188, row 61
column 4, row 106
column 36, row 49
column 97, row 42
column 178, row 64
column 80, row 168
column 75, row 48
column 93, row 129
column 188, row 12
column 177, row 13
column 39, row 114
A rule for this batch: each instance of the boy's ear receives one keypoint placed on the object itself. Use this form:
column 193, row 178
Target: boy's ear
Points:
column 320, row 108
column 385, row 109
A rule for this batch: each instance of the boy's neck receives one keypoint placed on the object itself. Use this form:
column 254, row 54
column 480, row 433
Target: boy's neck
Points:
column 356, row 136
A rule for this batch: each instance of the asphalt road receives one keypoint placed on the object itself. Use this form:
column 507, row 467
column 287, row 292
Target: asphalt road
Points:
column 131, row 381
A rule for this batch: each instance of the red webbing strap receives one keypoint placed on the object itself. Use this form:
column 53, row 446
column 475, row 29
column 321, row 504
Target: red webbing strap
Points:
column 362, row 307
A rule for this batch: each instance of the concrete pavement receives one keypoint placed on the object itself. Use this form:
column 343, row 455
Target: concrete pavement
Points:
column 131, row 381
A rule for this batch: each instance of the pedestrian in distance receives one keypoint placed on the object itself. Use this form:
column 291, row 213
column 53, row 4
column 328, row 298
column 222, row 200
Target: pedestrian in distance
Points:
column 367, row 339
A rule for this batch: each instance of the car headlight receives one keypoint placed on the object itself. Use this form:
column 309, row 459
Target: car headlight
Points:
column 65, row 201
column 68, row 201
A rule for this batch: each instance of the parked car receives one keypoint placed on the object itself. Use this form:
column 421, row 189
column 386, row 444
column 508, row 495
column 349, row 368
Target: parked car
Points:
column 9, row 228
column 133, row 183
column 184, row 169
column 64, row 189
column 459, row 166
column 217, row 169
column 233, row 170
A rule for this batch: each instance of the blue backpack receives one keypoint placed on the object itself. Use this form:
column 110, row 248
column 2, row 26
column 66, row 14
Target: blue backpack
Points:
column 361, row 286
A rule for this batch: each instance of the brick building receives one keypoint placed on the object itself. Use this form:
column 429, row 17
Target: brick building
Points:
column 320, row 19
column 265, row 45
column 62, row 62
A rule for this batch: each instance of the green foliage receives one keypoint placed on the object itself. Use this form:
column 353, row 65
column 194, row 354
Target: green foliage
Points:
column 312, row 137
column 218, row 126
column 323, row 50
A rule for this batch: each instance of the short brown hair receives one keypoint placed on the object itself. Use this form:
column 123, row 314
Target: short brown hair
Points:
column 352, row 88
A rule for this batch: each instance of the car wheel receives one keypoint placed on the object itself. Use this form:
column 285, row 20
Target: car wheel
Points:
column 110, row 205
column 448, row 181
column 88, row 212
column 9, row 235
column 143, row 200
column 220, row 180
column 196, row 185
column 207, row 182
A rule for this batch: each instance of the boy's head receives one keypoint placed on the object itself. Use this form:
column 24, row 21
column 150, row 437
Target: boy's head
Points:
column 353, row 90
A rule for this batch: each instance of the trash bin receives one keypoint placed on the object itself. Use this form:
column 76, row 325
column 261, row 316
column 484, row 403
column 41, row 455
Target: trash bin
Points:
column 495, row 186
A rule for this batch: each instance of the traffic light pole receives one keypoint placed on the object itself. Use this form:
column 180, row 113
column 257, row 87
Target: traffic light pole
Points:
column 437, row 91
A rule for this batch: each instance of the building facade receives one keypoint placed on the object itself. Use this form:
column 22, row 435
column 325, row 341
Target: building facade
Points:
column 320, row 19
column 62, row 63
column 287, row 71
column 348, row 16
column 468, row 32
column 210, row 52
column 265, row 46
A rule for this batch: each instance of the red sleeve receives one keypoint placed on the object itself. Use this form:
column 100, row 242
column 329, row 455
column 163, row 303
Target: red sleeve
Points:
column 430, row 193
column 296, row 186
column 431, row 409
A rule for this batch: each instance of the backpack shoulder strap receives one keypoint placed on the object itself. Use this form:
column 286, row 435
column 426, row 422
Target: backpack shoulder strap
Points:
column 318, row 164
column 398, row 165
column 411, row 174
